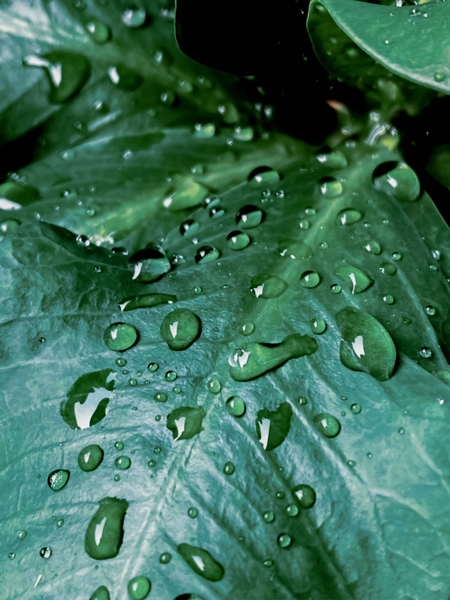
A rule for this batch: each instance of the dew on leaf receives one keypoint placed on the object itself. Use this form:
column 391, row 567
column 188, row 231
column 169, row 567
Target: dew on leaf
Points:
column 214, row 386
column 318, row 326
column 12, row 555
column 292, row 510
column 104, row 533
column 146, row 301
column 101, row 593
column 263, row 176
column 304, row 224
column 332, row 159
column 372, row 247
column 272, row 427
column 170, row 376
column 152, row 367
column 160, row 397
column 247, row 328
column 116, row 478
column 309, row 279
column 192, row 512
column 133, row 16
column 348, row 216
column 21, row 534
column 88, row 398
column 335, row 288
column 280, row 495
column 269, row 516
column 243, row 134
column 396, row 256
column 98, row 30
column 133, row 382
column 238, row 240
column 426, row 352
column 268, row 563
column 119, row 446
column 139, row 587
column 151, row 463
column 366, row 345
column 355, row 408
column 58, row 479
column 189, row 227
column 7, row 226
column 45, row 552
column 235, row 406
column 267, row 286
column 398, row 180
column 229, row 468
column 401, row 430
column 294, row 250
column 185, row 422
column 388, row 299
column 388, row 269
column 149, row 264
column 430, row 310
column 284, row 540
column 165, row 558
column 206, row 254
column 123, row 78
column 358, row 280
column 122, row 462
column 201, row 562
column 60, row 523
column 302, row 400
column 304, row 495
column 249, row 216
column 216, row 211
column 328, row 425
column 180, row 329
column 329, row 187
column 121, row 362
column 351, row 463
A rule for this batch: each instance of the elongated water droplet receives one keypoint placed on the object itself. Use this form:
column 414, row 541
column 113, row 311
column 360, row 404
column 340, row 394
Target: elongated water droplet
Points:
column 372, row 247
column 98, row 30
column 90, row 458
column 262, row 176
column 120, row 336
column 318, row 326
column 105, row 530
column 146, row 301
column 149, row 264
column 206, row 130
column 67, row 72
column 58, row 479
column 139, row 587
column 189, row 227
column 333, row 160
column 180, row 329
column 124, row 78
column 249, row 216
column 294, row 250
column 206, row 254
column 101, row 593
column 254, row 359
column 398, row 180
column 134, row 16
column 359, row 281
column 14, row 195
column 243, row 134
column 309, row 279
column 267, row 286
column 304, row 495
column 272, row 426
column 88, row 398
column 185, row 422
column 201, row 562
column 366, row 345
column 152, row 367
column 238, row 240
column 348, row 216
column 329, row 187
column 236, row 406
column 328, row 425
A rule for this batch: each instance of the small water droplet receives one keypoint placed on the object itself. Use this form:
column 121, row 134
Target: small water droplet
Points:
column 328, row 425
column 170, row 376
column 101, row 593
column 160, row 397
column 304, row 224
column 372, row 247
column 192, row 512
column 335, row 288
column 45, row 552
column 329, row 187
column 439, row 76
column 398, row 180
column 333, row 160
column 189, row 227
column 292, row 510
column 149, row 264
column 267, row 286
column 134, row 16
column 119, row 446
column 206, row 130
column 369, row 454
column 396, row 256
column 121, row 362
column 304, row 495
column 236, row 406
column 122, row 462
column 238, row 240
column 180, row 329
column 247, row 328
column 269, row 517
column 426, row 352
column 309, row 279
column 318, row 326
column 388, row 299
column 214, row 386
column 60, row 523
column 302, row 400
column 351, row 463
column 430, row 310
column 90, row 458
column 284, row 540
column 268, row 563
column 165, row 558
column 139, row 587
column 249, row 216
column 358, row 280
column 272, row 427
column 348, row 216
column 229, row 468
column 355, row 408
column 152, row 367
column 388, row 269
column 98, row 30
column 21, row 534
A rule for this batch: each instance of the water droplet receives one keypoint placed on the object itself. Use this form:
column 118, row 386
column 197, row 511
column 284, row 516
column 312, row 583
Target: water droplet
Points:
column 157, row 450
column 119, row 446
column 134, row 16
column 396, row 256
column 439, row 76
column 236, row 406
column 88, row 398
column 302, row 400
column 263, row 176
column 98, row 30
column 180, row 329
column 149, row 264
column 269, row 517
column 348, row 216
column 355, row 408
column 7, row 226
column 304, row 495
column 272, row 427
column 304, row 224
column 229, row 468
column 292, row 510
column 243, row 134
column 116, row 478
column 146, row 301
column 426, row 352
column 318, row 326
column 139, row 587
column 45, row 552
column 401, row 430
column 90, row 458
column 267, row 286
column 105, row 530
column 189, row 227
column 206, row 254
column 216, row 212
column 366, row 345
column 152, row 367
column 351, row 463
column 121, row 362
column 198, row 289
column 284, row 540
column 388, row 269
column 185, row 422
column 335, row 288
column 333, row 160
column 372, row 247
column 188, row 194
column 21, row 534
column 268, row 563
column 398, row 180
column 177, row 390
column 309, row 279
column 249, row 216
column 294, row 250
column 58, row 479
column 430, row 310
column 255, row 358
column 160, row 397
column 12, row 555
column 238, row 240
column 206, row 130
column 165, row 558
column 247, row 328
column 329, row 187
column 60, row 523
column 67, row 72
column 122, row 462
column 101, row 593
column 124, row 78
column 369, row 455
column 328, row 425
column 133, row 382
column 358, row 280
column 201, row 562
column 388, row 299
column 192, row 512
column 214, row 386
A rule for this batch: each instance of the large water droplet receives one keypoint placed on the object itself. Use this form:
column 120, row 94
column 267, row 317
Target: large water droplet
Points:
column 249, row 216
column 124, row 78
column 236, row 406
column 348, row 216
column 180, row 329
column 366, row 345
column 398, row 180
column 66, row 71
column 255, row 359
column 263, row 176
column 58, row 479
column 101, row 593
column 309, row 279
column 134, row 16
column 88, row 398
column 329, row 187
column 185, row 422
column 294, row 250
column 149, row 264
column 146, row 301
column 238, row 240
column 267, row 286
column 328, row 425
column 139, row 587
column 90, row 458
column 206, row 254
column 272, row 426
column 359, row 281
column 188, row 194
column 120, row 336
column 201, row 562
column 105, row 530
column 304, row 495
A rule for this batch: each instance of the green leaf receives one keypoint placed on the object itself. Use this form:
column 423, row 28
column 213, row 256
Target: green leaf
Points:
column 412, row 42
column 214, row 514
